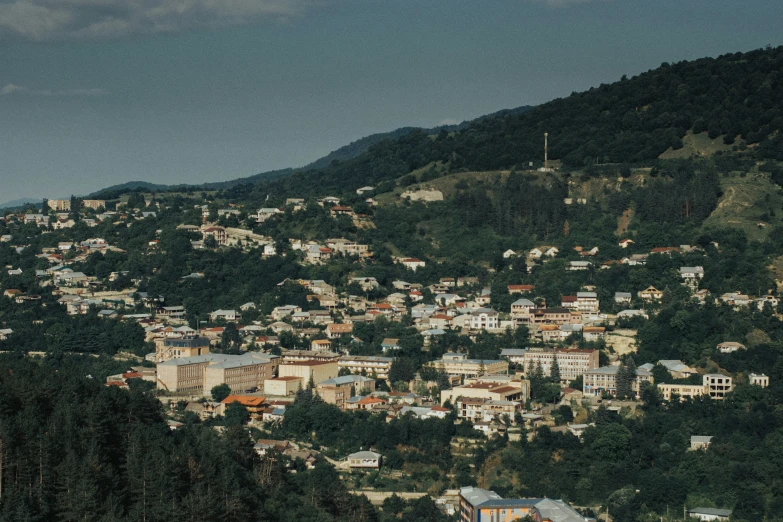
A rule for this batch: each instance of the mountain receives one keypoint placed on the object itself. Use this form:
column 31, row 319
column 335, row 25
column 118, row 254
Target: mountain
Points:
column 634, row 120
column 19, row 202
column 344, row 153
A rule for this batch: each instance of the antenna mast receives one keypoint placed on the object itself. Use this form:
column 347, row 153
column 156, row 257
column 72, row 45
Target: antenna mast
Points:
column 546, row 152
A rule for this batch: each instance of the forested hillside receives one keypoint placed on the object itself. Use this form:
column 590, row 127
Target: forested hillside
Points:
column 632, row 120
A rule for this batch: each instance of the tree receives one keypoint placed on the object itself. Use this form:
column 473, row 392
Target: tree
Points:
column 554, row 371
column 236, row 414
column 220, row 392
column 402, row 369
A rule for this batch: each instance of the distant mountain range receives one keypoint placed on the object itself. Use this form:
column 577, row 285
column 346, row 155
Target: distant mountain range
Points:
column 19, row 202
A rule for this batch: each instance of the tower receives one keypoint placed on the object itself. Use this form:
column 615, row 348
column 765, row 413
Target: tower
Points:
column 546, row 152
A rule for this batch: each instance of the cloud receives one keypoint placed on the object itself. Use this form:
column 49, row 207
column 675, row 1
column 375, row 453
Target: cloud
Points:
column 11, row 89
column 42, row 20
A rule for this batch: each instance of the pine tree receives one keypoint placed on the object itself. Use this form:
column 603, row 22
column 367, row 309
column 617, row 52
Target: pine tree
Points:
column 554, row 371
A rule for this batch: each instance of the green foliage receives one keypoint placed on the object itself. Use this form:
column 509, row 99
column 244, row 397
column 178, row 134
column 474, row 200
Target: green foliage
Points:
column 220, row 392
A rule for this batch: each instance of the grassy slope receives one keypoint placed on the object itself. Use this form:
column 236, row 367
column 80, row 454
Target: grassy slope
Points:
column 743, row 202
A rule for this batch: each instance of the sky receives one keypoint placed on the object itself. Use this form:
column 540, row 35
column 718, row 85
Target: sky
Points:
column 99, row 92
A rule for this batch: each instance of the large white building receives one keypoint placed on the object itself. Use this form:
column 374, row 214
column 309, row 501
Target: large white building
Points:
column 198, row 375
column 573, row 362
column 459, row 364
column 604, row 379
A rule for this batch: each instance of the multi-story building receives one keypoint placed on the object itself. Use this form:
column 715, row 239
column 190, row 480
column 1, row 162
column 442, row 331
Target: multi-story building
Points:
column 94, row 204
column 484, row 320
column 718, row 385
column 522, row 308
column 582, row 301
column 604, row 379
column 198, row 375
column 480, row 505
column 368, row 365
column 758, row 379
column 516, row 390
column 218, row 233
column 177, row 348
column 308, row 355
column 486, row 410
column 339, row 389
column 459, row 364
column 59, row 205
column 573, row 362
column 316, row 371
column 683, row 391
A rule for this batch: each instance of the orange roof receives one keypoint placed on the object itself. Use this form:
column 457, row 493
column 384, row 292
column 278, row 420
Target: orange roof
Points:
column 412, row 260
column 441, row 316
column 548, row 327
column 322, row 341
column 568, row 299
column 371, row 400
column 383, row 306
column 337, row 327
column 521, row 287
column 245, row 400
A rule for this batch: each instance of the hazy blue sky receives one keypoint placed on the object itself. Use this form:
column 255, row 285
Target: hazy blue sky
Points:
column 98, row 92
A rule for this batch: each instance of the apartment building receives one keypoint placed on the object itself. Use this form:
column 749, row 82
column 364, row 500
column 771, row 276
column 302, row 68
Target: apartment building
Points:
column 573, row 362
column 459, row 364
column 339, row 389
column 308, row 355
column 367, row 365
column 718, row 385
column 59, row 205
column 604, row 379
column 487, row 410
column 197, row 375
column 94, row 204
column 582, row 301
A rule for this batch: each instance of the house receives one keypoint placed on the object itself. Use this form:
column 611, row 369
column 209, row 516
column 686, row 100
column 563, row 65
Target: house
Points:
column 339, row 389
column 755, row 379
column 509, row 254
column 321, row 345
column 735, row 299
column 479, row 505
column 279, row 312
column 520, row 289
column 412, row 263
column 579, row 265
column 651, row 294
column 226, row 315
column 730, row 347
column 338, row 210
column 691, row 274
column 484, row 320
column 625, row 243
column 700, row 442
column 665, row 250
column 335, row 330
column 543, row 251
column 770, row 300
column 522, row 308
column 367, row 284
column 364, row 460
column 709, row 514
column 390, row 344
column 264, row 214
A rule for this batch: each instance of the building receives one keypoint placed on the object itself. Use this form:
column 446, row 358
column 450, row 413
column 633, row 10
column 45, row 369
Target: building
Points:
column 308, row 355
column 730, row 347
column 709, row 514
column 282, row 386
column 758, row 379
column 198, row 375
column 459, row 364
column 700, row 441
column 604, row 380
column 483, row 391
column 339, row 389
column 335, row 330
column 683, row 391
column 622, row 297
column 514, row 355
column 94, row 204
column 650, row 294
column 487, row 410
column 480, row 505
column 254, row 405
column 573, row 362
column 364, row 460
column 306, row 371
column 484, row 320
column 59, row 205
column 368, row 365
column 175, row 348
column 718, row 385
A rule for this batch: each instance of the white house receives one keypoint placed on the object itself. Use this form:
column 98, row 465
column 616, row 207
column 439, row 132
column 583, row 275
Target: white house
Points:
column 226, row 315
column 508, row 254
column 709, row 514
column 364, row 460
column 484, row 320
